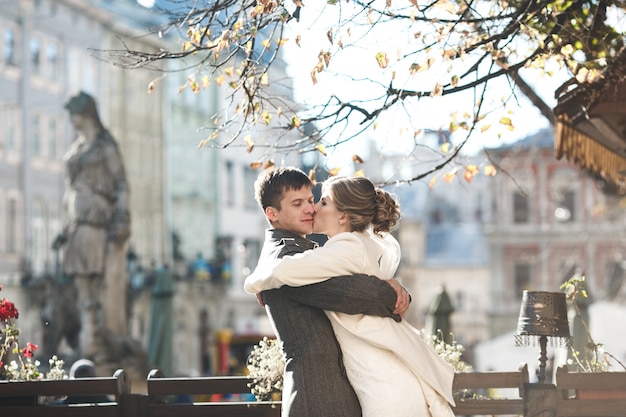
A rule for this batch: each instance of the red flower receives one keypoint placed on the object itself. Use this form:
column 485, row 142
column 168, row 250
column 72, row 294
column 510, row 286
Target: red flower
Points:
column 8, row 310
column 29, row 350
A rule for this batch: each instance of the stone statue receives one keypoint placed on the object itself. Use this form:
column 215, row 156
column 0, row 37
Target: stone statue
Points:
column 97, row 228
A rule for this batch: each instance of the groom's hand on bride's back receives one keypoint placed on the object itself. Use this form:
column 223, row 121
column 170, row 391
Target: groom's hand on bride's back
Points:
column 403, row 300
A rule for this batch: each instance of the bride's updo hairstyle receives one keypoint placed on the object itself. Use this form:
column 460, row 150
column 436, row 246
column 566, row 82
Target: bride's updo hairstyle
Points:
column 364, row 203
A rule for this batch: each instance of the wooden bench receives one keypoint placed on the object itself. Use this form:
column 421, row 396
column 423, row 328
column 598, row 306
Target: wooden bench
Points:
column 595, row 394
column 474, row 392
column 232, row 392
column 24, row 398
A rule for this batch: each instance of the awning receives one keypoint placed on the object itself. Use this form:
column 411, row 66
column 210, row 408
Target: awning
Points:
column 591, row 125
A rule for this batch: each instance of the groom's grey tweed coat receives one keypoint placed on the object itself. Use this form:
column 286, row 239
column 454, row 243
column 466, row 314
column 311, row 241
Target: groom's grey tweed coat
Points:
column 316, row 384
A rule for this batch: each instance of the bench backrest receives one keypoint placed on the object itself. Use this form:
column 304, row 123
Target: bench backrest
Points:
column 23, row 398
column 595, row 394
column 479, row 392
column 221, row 396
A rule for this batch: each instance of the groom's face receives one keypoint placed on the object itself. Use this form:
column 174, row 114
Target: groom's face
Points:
column 295, row 213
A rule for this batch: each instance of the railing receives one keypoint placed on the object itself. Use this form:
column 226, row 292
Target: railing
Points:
column 479, row 393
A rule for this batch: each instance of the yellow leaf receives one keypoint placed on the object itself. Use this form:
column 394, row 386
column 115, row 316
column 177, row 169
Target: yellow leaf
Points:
column 359, row 173
column 489, row 170
column 450, row 175
column 220, row 80
column 312, row 176
column 506, row 121
column 267, row 117
column 268, row 164
column 229, row 71
column 321, row 149
column 334, row 171
column 182, row 88
column 282, row 41
column 313, row 76
column 445, row 147
column 265, row 79
column 249, row 143
column 431, row 183
column 266, row 43
column 382, row 59
column 485, row 128
column 454, row 81
column 295, row 121
column 202, row 143
column 256, row 165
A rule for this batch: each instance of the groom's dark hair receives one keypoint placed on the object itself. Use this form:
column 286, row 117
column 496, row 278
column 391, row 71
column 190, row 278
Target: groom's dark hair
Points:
column 273, row 182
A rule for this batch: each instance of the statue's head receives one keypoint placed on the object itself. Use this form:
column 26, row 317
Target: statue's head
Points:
column 83, row 104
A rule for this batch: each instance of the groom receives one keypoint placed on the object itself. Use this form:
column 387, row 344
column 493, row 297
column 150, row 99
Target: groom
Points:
column 315, row 381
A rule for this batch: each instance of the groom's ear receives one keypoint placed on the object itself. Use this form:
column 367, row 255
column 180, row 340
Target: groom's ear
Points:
column 270, row 213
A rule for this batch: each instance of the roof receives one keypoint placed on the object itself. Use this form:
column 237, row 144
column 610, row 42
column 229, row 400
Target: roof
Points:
column 591, row 124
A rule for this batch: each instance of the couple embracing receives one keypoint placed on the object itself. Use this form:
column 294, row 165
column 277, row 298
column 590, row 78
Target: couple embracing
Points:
column 335, row 308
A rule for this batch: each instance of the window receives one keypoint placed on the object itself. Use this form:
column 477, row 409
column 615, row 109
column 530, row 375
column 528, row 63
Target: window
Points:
column 38, row 230
column 521, row 277
column 53, row 137
column 521, row 209
column 10, row 124
column 224, row 259
column 11, row 236
column 35, row 55
column 250, row 177
column 565, row 211
column 52, row 61
column 252, row 251
column 9, row 47
column 36, row 121
column 229, row 184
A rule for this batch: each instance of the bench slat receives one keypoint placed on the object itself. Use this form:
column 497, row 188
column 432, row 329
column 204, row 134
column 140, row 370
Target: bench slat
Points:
column 230, row 409
column 489, row 406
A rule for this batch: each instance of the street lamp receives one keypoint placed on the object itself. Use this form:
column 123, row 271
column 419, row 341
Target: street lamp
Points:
column 542, row 315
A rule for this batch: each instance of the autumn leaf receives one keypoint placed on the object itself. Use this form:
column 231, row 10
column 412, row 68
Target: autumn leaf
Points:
column 321, row 149
column 295, row 121
column 256, row 165
column 279, row 112
column 484, row 128
column 489, row 170
column 151, row 86
column 312, row 176
column 334, row 171
column 266, row 43
column 267, row 117
column 329, row 35
column 220, row 80
column 357, row 159
column 206, row 81
column 506, row 121
column 431, row 183
column 268, row 164
column 282, row 41
column 359, row 173
column 450, row 175
column 249, row 143
column 382, row 59
column 314, row 76
column 445, row 147
column 229, row 71
column 202, row 143
column 298, row 39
